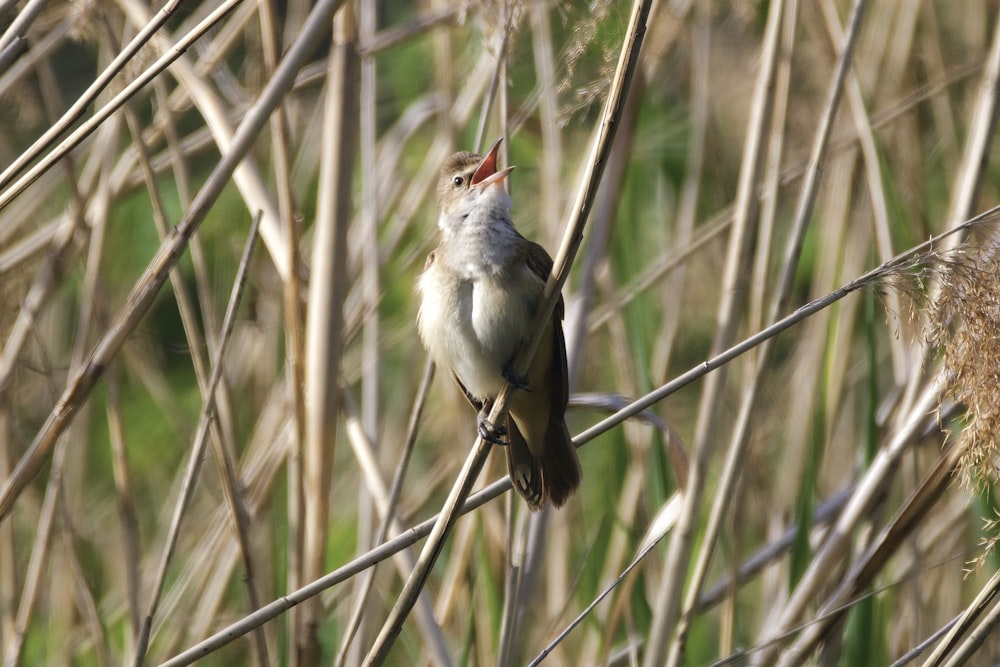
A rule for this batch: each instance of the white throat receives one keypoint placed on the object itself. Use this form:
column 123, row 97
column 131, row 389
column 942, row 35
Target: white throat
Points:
column 479, row 234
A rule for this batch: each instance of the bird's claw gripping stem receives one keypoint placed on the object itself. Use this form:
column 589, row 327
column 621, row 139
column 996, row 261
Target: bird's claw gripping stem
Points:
column 490, row 432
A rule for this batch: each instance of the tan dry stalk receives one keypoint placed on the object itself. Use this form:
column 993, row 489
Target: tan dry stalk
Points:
column 740, row 434
column 141, row 298
column 325, row 314
column 670, row 591
column 594, row 168
column 247, row 175
column 292, row 310
column 239, row 514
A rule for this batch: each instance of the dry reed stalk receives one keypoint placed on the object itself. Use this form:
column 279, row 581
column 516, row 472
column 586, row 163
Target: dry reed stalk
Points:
column 741, row 430
column 80, row 106
column 771, row 170
column 391, row 506
column 341, row 574
column 863, row 572
column 872, row 170
column 215, row 396
column 325, row 314
column 125, row 497
column 239, row 513
column 691, row 189
column 833, row 381
column 668, row 597
column 964, row 652
column 364, row 453
column 85, row 129
column 292, row 309
column 521, row 559
column 571, row 241
column 247, row 175
column 367, row 229
column 82, row 383
column 273, row 609
column 834, row 548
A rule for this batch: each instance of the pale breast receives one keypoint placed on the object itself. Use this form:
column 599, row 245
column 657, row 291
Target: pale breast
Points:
column 474, row 326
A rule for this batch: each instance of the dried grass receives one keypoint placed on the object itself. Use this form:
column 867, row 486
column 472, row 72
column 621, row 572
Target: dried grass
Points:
column 781, row 492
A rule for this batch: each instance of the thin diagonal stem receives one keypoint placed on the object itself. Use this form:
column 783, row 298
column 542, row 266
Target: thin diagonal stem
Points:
column 418, row 532
column 564, row 259
column 155, row 275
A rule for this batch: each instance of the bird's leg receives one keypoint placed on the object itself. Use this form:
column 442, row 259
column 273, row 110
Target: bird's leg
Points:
column 519, row 382
column 490, row 432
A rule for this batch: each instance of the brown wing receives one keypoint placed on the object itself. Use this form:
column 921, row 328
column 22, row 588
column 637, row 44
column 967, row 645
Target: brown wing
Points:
column 541, row 265
column 560, row 467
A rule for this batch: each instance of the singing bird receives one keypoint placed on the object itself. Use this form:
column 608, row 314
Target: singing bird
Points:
column 479, row 292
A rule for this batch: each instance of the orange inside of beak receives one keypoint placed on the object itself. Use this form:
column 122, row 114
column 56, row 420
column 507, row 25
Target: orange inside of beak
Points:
column 488, row 166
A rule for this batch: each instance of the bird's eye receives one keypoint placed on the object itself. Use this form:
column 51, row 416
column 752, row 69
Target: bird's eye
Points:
column 458, row 181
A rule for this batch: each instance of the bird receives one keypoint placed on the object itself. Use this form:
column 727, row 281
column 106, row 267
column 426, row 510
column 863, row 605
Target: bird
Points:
column 479, row 291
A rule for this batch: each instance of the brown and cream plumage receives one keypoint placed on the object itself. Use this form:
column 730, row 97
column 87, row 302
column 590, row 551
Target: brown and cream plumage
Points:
column 479, row 292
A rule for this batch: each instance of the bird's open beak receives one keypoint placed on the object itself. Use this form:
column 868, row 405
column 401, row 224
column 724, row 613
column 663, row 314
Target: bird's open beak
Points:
column 486, row 173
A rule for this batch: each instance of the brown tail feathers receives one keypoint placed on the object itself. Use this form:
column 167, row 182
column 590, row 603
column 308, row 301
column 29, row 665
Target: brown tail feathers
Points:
column 554, row 476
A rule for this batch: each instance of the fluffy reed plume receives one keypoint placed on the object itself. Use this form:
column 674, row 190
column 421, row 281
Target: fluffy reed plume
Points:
column 966, row 328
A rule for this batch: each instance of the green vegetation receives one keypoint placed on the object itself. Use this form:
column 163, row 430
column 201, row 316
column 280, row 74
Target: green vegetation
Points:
column 821, row 521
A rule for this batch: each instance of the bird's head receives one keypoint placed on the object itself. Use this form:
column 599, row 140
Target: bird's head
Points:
column 468, row 181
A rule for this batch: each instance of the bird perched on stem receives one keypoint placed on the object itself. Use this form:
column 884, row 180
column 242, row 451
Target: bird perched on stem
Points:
column 479, row 292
